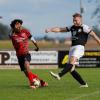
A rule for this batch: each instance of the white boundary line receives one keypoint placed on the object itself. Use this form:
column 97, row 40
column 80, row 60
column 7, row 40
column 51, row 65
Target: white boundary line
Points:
column 85, row 95
column 31, row 66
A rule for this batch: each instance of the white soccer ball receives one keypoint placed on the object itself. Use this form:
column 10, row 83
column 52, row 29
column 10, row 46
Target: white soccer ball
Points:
column 36, row 82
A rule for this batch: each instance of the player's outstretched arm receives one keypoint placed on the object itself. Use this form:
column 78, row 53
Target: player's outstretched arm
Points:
column 93, row 34
column 56, row 30
column 34, row 42
column 37, row 48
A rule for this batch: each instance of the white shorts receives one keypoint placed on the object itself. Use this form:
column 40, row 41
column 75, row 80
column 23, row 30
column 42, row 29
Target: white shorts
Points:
column 76, row 51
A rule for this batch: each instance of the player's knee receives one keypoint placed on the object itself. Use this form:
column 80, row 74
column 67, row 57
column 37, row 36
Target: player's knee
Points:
column 72, row 60
column 73, row 68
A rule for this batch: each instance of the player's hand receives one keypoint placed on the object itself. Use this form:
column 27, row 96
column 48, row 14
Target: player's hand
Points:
column 36, row 49
column 47, row 30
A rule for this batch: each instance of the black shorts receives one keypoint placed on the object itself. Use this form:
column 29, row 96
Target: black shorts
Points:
column 22, row 59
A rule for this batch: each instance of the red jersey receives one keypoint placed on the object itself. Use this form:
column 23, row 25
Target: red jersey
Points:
column 20, row 42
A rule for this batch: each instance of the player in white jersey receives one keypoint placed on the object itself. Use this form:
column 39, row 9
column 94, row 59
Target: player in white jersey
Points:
column 80, row 34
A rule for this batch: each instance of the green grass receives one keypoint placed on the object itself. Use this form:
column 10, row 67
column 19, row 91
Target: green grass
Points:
column 13, row 86
column 7, row 45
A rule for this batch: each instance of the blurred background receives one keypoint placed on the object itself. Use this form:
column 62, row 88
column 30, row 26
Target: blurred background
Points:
column 38, row 15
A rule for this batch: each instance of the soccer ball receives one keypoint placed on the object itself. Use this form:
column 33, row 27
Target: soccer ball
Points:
column 36, row 82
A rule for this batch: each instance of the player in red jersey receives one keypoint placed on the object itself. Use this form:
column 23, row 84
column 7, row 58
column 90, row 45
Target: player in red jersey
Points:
column 19, row 39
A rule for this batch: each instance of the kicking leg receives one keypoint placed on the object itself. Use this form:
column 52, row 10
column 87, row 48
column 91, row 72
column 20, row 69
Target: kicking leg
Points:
column 66, row 69
column 31, row 76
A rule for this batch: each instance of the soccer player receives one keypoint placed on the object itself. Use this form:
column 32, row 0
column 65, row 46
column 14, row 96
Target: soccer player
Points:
column 80, row 34
column 19, row 37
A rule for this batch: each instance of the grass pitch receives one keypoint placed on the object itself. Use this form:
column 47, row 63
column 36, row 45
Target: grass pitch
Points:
column 13, row 86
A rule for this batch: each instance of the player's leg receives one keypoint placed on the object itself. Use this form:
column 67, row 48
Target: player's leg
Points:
column 74, row 54
column 28, row 72
column 66, row 69
column 75, row 74
column 26, row 67
column 74, row 57
column 71, row 67
column 24, row 63
column 78, row 77
column 31, row 76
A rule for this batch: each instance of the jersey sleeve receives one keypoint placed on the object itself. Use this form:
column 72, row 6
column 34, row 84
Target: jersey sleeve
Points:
column 28, row 34
column 32, row 38
column 87, row 29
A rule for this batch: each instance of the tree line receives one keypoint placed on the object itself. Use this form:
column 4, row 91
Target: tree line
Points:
column 5, row 31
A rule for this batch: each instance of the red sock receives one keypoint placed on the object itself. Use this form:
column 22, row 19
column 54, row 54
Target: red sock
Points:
column 31, row 76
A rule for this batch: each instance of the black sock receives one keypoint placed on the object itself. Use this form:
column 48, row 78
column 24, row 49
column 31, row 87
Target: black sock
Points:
column 76, row 75
column 65, row 70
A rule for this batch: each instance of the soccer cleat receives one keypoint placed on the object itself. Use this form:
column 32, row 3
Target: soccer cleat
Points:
column 55, row 75
column 45, row 84
column 84, row 86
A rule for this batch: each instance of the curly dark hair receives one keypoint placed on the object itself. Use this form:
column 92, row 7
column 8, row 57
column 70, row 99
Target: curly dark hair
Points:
column 15, row 21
